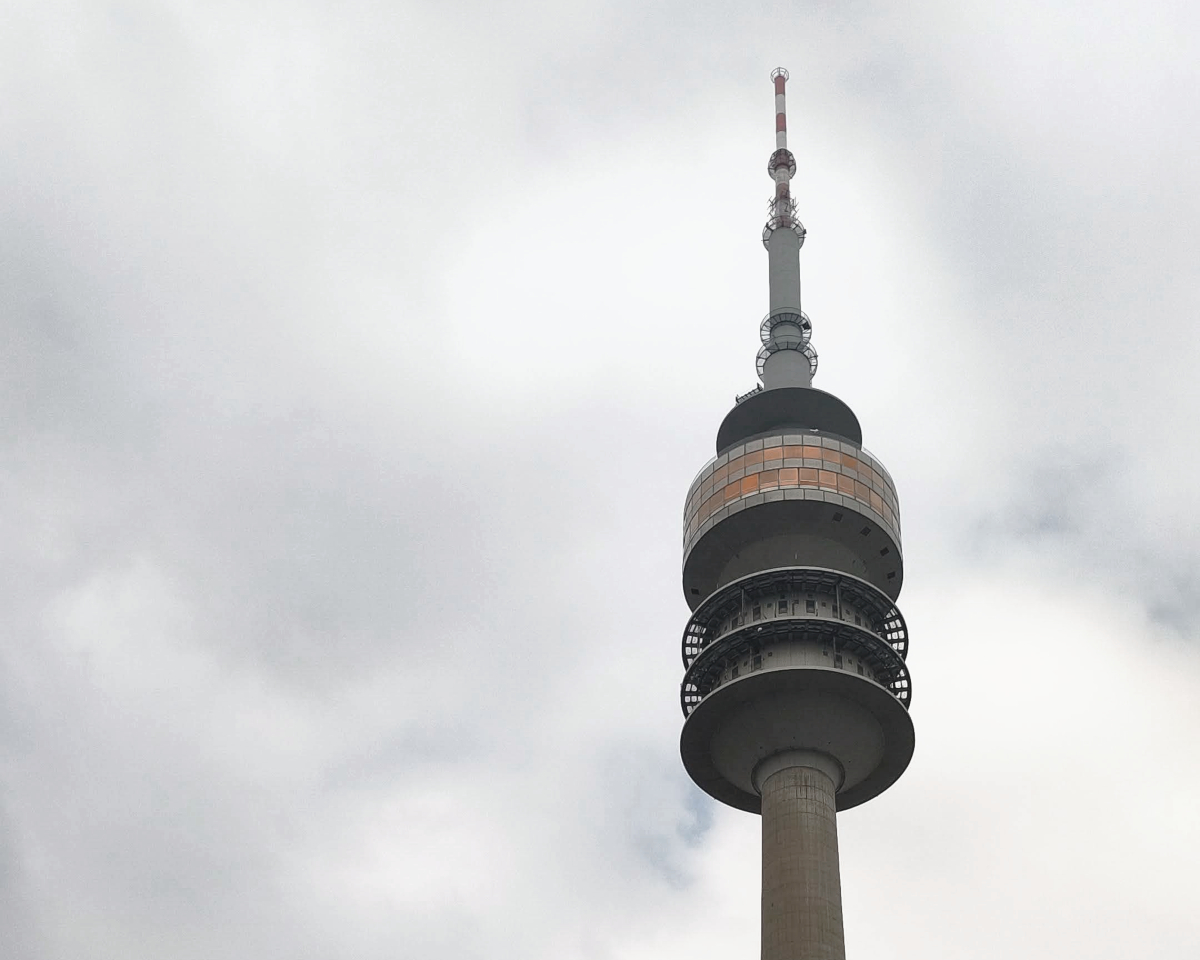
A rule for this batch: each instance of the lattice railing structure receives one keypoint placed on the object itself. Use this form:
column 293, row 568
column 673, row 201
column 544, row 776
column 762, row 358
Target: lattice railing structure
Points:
column 795, row 583
column 787, row 343
column 783, row 217
column 773, row 320
column 752, row 613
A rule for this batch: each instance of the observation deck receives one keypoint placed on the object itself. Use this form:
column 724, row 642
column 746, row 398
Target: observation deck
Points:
column 796, row 658
column 791, row 498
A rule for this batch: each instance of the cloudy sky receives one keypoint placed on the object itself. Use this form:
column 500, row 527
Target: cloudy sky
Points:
column 356, row 359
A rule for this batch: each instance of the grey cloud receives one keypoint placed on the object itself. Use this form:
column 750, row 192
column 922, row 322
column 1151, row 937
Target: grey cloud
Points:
column 331, row 627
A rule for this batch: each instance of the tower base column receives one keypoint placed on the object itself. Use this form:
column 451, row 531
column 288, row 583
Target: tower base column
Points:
column 801, row 879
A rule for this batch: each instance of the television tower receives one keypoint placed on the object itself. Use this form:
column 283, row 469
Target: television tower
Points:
column 795, row 690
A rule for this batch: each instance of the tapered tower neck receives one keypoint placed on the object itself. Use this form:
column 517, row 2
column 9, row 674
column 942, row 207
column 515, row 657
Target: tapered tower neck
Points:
column 786, row 359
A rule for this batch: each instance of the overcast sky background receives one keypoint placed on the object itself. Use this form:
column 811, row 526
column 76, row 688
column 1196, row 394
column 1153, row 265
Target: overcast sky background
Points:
column 356, row 360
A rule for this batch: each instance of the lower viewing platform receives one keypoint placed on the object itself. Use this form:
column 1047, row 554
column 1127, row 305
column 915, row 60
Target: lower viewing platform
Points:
column 796, row 658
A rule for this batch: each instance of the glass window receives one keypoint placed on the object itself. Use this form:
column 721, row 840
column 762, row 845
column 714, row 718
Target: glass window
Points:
column 791, row 452
column 753, row 458
column 757, row 612
column 810, row 606
column 789, row 476
column 808, row 476
column 812, row 453
column 827, row 479
column 837, row 660
column 768, row 478
column 750, row 483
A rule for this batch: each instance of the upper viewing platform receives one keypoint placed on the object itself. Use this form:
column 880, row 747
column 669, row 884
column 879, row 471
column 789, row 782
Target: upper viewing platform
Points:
column 791, row 499
column 810, row 466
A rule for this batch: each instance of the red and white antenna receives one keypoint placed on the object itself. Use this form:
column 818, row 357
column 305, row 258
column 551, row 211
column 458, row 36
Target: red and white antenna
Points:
column 782, row 166
column 780, row 76
column 787, row 357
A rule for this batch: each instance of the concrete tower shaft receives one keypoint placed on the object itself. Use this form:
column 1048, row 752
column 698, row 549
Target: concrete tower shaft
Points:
column 795, row 688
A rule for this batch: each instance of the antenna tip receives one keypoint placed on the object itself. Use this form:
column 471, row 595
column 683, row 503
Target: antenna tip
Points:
column 779, row 72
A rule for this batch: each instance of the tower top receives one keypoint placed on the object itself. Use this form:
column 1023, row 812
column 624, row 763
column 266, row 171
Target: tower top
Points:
column 787, row 358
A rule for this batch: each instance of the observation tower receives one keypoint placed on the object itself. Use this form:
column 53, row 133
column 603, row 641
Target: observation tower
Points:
column 795, row 689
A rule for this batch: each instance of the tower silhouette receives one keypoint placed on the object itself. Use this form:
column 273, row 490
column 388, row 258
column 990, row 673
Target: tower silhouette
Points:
column 795, row 690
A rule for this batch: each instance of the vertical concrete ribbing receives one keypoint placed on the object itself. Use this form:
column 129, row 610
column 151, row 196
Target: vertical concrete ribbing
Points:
column 801, row 887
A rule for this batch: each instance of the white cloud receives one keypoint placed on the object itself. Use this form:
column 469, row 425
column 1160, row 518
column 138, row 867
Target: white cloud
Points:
column 356, row 362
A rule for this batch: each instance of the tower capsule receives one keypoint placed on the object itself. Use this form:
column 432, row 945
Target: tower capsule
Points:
column 795, row 689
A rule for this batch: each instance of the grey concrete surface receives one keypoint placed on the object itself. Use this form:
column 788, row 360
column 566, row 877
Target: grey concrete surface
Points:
column 801, row 880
